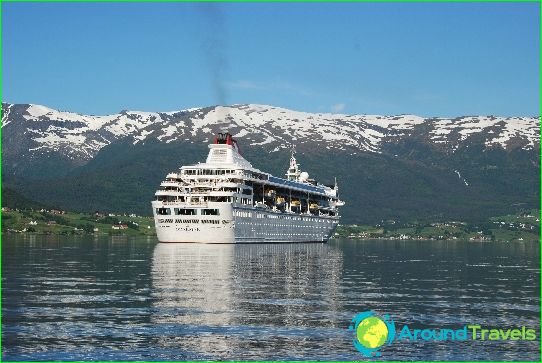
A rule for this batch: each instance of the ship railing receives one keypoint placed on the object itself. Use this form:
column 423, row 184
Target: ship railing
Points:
column 211, row 183
column 186, row 204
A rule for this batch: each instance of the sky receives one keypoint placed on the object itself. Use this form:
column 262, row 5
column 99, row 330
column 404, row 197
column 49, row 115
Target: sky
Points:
column 428, row 59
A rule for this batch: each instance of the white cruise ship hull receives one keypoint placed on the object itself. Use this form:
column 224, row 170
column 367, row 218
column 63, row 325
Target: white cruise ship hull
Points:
column 242, row 224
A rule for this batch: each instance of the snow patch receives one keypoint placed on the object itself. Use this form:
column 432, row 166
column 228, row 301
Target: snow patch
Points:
column 167, row 132
column 460, row 178
column 142, row 136
column 269, row 139
column 37, row 111
column 241, row 133
column 5, row 115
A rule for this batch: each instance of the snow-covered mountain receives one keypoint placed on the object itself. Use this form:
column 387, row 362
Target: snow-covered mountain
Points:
column 34, row 130
column 389, row 167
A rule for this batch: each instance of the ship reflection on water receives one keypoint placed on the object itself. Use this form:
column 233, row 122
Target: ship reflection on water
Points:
column 295, row 301
column 232, row 300
column 121, row 299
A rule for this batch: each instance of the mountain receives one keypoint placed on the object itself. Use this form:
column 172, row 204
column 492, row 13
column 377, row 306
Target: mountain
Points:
column 389, row 167
column 12, row 199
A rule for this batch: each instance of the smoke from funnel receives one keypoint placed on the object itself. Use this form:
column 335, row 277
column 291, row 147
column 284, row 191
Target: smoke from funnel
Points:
column 214, row 46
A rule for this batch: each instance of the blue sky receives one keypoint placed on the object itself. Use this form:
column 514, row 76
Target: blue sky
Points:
column 439, row 59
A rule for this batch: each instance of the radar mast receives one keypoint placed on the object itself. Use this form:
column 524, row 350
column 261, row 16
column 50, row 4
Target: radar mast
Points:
column 293, row 171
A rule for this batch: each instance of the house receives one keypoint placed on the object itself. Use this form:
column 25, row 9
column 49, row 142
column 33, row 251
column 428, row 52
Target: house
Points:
column 56, row 211
column 51, row 223
column 98, row 214
column 5, row 209
column 95, row 229
column 120, row 226
column 33, row 223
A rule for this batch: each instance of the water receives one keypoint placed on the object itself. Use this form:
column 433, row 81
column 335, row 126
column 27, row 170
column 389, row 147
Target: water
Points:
column 78, row 298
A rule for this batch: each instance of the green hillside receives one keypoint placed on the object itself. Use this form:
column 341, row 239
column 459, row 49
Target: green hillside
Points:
column 13, row 199
column 411, row 182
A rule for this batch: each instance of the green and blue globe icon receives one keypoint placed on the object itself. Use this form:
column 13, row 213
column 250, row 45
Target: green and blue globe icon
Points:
column 372, row 332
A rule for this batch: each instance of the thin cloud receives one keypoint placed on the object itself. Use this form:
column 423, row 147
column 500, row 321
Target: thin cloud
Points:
column 338, row 107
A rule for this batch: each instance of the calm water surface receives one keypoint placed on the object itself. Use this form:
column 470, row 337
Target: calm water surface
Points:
column 66, row 298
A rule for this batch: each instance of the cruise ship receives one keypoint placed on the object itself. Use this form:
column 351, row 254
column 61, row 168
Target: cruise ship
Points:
column 227, row 200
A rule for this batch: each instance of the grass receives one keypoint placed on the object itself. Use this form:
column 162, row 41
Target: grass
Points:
column 522, row 226
column 74, row 223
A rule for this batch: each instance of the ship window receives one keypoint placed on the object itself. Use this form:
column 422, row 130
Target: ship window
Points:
column 247, row 191
column 185, row 212
column 210, row 221
column 163, row 211
column 222, row 199
column 210, row 212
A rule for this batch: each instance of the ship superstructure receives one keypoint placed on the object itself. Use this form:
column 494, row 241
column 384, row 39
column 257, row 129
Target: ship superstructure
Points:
column 227, row 200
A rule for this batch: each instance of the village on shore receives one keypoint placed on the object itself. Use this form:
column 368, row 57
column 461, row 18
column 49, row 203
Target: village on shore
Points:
column 60, row 222
column 524, row 226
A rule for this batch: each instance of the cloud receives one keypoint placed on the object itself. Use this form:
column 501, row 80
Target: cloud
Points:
column 338, row 107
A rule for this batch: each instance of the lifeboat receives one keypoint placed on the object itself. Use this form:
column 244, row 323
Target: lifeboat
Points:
column 296, row 203
column 314, row 207
column 270, row 193
column 280, row 201
column 336, row 203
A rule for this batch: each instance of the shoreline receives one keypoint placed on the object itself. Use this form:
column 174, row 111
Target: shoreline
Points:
column 523, row 226
column 332, row 238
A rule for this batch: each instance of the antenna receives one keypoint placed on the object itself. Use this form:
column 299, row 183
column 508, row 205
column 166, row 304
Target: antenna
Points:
column 293, row 171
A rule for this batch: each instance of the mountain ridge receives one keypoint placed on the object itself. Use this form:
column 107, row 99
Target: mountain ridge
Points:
column 389, row 167
column 83, row 135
